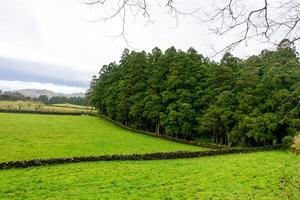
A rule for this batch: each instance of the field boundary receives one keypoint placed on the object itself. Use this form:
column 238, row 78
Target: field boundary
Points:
column 135, row 157
column 166, row 137
column 46, row 113
column 60, row 106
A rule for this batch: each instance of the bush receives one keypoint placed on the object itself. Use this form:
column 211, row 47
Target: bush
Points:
column 297, row 139
column 296, row 145
column 288, row 140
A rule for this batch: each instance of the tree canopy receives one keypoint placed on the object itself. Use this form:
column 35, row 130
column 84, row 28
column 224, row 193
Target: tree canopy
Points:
column 248, row 102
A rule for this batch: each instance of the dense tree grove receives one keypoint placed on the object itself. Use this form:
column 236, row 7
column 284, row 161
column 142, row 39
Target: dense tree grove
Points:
column 12, row 96
column 62, row 99
column 249, row 102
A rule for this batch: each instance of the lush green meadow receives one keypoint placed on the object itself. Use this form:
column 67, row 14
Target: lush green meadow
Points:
column 262, row 175
column 238, row 176
column 33, row 106
column 29, row 136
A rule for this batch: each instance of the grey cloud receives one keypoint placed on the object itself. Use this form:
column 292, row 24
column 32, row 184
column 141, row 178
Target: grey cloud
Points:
column 30, row 71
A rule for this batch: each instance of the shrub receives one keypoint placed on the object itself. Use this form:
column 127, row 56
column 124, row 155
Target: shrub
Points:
column 296, row 145
column 287, row 140
column 297, row 139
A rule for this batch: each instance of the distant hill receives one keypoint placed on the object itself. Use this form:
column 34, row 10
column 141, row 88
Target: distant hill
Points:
column 36, row 93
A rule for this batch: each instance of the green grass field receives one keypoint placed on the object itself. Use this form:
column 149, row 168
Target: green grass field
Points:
column 39, row 107
column 237, row 176
column 263, row 175
column 29, row 136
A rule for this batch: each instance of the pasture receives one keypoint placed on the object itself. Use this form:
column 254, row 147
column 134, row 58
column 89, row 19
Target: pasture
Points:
column 29, row 136
column 33, row 106
column 263, row 175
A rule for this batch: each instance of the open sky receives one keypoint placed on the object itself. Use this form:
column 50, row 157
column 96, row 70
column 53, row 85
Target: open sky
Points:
column 54, row 45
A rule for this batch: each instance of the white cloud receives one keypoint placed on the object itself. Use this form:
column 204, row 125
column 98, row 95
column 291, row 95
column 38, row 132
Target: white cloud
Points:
column 56, row 33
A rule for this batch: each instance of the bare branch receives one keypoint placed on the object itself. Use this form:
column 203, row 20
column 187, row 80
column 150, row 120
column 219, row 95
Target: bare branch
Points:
column 269, row 21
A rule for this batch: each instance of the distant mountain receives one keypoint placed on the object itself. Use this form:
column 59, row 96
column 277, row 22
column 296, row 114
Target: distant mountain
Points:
column 36, row 93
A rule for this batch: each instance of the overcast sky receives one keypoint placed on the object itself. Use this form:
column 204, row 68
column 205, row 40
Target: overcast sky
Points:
column 50, row 44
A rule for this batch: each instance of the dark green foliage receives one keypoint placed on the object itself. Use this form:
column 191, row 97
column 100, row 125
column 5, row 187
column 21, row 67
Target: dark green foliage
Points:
column 288, row 140
column 12, row 96
column 179, row 140
column 249, row 102
column 44, row 99
column 70, row 100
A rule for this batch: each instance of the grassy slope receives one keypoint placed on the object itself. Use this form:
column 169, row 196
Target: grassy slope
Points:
column 37, row 106
column 28, row 136
column 238, row 176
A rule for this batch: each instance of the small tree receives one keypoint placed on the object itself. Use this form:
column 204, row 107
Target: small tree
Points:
column 44, row 99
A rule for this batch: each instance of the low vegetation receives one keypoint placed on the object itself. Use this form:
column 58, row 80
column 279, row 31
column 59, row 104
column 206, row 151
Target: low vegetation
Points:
column 35, row 106
column 16, row 95
column 30, row 136
column 296, row 144
column 260, row 175
column 263, row 175
column 68, row 105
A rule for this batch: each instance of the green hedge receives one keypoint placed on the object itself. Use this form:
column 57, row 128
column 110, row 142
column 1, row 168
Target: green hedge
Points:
column 149, row 156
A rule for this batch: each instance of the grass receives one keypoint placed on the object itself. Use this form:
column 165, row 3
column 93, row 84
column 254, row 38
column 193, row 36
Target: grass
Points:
column 39, row 107
column 68, row 105
column 29, row 136
column 261, row 175
column 237, row 176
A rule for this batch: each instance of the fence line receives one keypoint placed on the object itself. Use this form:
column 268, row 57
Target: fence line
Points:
column 135, row 157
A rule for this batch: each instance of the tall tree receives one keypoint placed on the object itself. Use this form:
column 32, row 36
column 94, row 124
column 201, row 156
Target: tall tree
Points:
column 247, row 102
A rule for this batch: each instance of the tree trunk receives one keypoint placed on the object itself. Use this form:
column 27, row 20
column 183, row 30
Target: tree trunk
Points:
column 157, row 127
column 227, row 135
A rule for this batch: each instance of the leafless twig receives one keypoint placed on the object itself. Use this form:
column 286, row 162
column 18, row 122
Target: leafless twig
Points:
column 270, row 20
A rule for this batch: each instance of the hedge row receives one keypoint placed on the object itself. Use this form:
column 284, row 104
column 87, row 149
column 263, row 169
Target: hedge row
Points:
column 190, row 142
column 149, row 156
column 47, row 113
column 62, row 106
